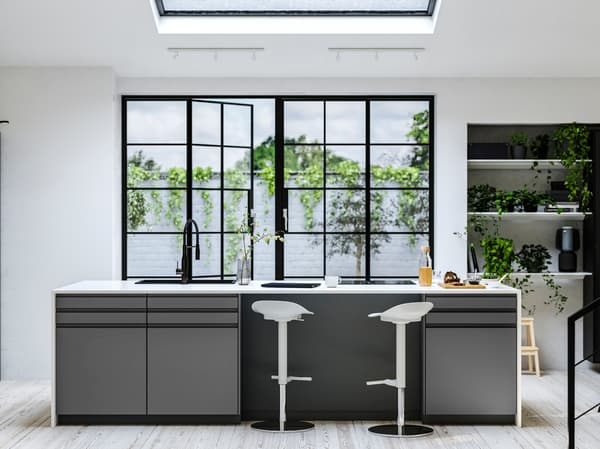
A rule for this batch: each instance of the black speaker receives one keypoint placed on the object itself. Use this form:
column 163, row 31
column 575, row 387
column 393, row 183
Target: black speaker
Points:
column 567, row 241
column 567, row 261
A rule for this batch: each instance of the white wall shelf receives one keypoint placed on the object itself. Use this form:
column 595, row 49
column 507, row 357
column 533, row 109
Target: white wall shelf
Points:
column 514, row 164
column 533, row 216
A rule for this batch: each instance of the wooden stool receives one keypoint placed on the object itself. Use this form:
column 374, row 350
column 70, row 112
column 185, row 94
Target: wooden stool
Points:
column 530, row 350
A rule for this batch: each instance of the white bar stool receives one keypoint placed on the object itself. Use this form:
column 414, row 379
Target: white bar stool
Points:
column 282, row 312
column 401, row 315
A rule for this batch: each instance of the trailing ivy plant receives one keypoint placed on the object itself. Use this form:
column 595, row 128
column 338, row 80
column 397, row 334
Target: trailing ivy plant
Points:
column 573, row 146
column 499, row 256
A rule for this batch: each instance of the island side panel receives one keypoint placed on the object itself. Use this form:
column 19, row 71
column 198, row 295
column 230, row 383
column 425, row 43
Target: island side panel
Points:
column 341, row 348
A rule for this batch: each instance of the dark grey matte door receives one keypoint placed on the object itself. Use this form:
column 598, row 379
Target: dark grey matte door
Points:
column 470, row 371
column 101, row 371
column 193, row 371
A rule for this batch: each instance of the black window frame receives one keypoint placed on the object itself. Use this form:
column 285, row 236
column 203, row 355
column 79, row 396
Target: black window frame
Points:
column 203, row 13
column 280, row 194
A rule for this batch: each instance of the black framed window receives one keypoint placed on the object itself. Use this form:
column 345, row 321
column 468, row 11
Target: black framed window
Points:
column 296, row 7
column 346, row 180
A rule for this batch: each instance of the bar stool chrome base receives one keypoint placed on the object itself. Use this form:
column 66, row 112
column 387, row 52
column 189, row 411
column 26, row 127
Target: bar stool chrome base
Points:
column 407, row 430
column 288, row 426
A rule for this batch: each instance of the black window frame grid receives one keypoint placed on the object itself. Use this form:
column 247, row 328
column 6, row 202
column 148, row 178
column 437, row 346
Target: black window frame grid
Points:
column 281, row 200
column 402, row 13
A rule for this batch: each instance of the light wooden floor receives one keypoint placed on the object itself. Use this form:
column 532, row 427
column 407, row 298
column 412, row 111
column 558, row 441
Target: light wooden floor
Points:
column 25, row 424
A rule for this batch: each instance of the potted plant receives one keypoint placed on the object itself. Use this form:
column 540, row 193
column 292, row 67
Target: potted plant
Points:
column 533, row 258
column 481, row 198
column 518, row 145
column 505, row 201
column 539, row 146
column 499, row 256
column 573, row 148
column 530, row 201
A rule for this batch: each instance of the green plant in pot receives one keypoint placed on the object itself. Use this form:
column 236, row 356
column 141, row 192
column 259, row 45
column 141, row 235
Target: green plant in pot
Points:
column 499, row 256
column 506, row 201
column 533, row 258
column 481, row 198
column 518, row 145
column 539, row 146
column 530, row 201
column 573, row 148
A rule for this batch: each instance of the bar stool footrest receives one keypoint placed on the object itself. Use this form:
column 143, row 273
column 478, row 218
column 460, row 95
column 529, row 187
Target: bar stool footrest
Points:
column 289, row 426
column 407, row 430
column 388, row 382
column 296, row 378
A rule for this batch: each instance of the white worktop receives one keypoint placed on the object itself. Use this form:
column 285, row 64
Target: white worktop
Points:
column 130, row 287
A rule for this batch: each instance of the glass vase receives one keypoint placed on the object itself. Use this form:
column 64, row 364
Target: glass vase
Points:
column 243, row 271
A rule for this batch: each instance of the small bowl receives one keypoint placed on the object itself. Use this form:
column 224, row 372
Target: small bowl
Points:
column 491, row 283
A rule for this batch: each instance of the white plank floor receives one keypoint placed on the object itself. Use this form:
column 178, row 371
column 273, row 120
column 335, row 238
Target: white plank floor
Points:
column 25, row 424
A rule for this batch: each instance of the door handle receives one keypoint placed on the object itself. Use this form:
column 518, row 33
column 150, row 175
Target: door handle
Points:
column 284, row 213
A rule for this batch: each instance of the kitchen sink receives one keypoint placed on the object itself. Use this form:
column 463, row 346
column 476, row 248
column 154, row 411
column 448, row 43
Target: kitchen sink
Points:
column 378, row 282
column 193, row 281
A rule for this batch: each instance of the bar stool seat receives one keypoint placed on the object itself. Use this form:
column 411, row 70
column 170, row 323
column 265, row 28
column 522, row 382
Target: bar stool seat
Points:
column 282, row 312
column 401, row 315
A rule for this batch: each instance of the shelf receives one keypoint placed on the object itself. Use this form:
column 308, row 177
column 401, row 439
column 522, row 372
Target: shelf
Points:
column 560, row 275
column 533, row 216
column 515, row 164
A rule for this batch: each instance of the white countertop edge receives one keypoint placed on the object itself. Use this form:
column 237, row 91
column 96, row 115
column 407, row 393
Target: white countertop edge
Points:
column 130, row 287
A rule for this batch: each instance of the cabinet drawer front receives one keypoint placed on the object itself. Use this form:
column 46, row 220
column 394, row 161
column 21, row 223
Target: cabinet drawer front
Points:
column 470, row 371
column 100, row 371
column 474, row 318
column 473, row 302
column 200, row 318
column 192, row 302
column 193, row 372
column 100, row 302
column 110, row 318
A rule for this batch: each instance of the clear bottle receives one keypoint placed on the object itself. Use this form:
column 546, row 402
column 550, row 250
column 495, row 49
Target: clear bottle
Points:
column 425, row 269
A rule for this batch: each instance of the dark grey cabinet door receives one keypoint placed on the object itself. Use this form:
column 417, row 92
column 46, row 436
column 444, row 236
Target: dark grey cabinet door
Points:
column 193, row 371
column 101, row 371
column 470, row 371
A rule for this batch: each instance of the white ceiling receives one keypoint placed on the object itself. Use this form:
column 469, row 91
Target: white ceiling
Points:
column 473, row 38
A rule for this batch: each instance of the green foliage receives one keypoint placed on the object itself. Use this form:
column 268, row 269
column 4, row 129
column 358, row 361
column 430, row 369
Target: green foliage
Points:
column 533, row 258
column 539, row 146
column 519, row 139
column 419, row 132
column 481, row 198
column 573, row 145
column 499, row 255
column 557, row 298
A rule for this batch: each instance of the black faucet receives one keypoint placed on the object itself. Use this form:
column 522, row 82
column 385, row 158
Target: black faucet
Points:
column 186, row 251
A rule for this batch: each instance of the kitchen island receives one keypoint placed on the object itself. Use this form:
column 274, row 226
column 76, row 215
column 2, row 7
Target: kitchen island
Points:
column 196, row 353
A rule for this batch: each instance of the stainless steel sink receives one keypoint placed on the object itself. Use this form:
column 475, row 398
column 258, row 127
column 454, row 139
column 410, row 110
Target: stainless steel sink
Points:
column 193, row 281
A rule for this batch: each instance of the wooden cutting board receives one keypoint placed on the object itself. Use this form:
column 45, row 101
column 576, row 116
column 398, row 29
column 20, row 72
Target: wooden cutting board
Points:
column 479, row 286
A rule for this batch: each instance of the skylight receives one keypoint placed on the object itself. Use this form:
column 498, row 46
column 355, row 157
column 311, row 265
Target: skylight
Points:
column 295, row 7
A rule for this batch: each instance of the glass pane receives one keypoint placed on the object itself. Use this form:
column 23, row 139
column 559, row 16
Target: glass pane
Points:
column 345, row 122
column 346, row 211
column 206, row 170
column 156, row 122
column 233, row 249
column 399, row 121
column 237, row 125
column 235, row 208
column 155, row 166
column 303, row 255
column 237, row 168
column 346, row 254
column 210, row 256
column 305, row 210
column 206, row 123
column 396, row 255
column 393, row 166
column 264, row 261
column 207, row 209
column 303, row 166
column 296, row 5
column 399, row 210
column 345, row 166
column 153, row 254
column 304, row 122
column 155, row 210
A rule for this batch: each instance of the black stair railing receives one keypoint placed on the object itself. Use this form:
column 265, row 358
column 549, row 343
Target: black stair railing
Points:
column 571, row 364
